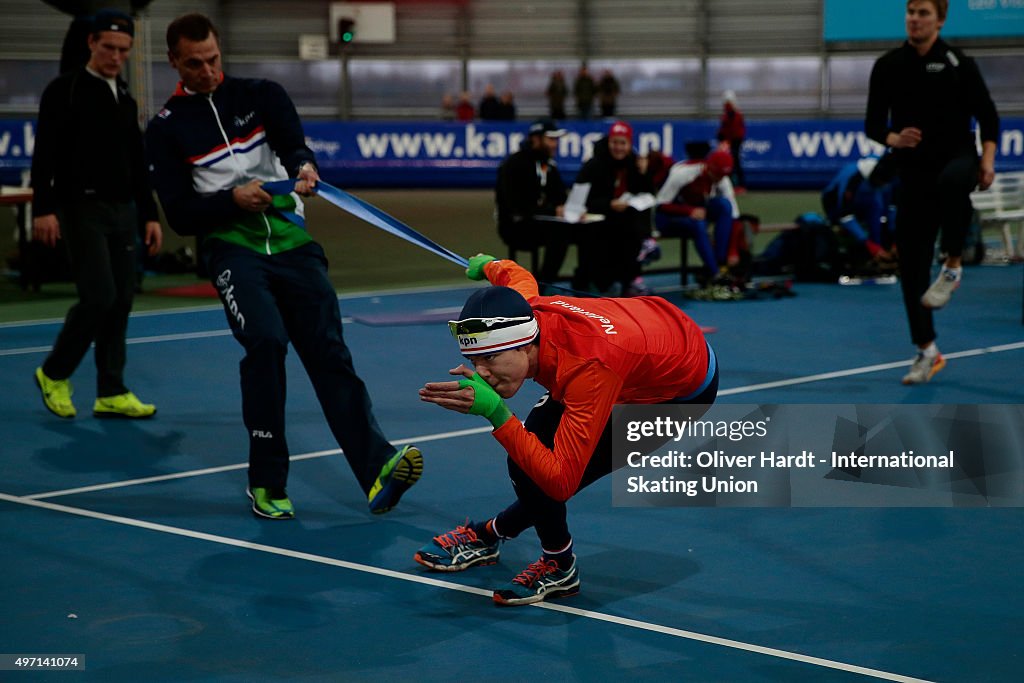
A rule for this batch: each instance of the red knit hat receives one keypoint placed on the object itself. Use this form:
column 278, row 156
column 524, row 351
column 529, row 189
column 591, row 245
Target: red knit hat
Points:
column 719, row 162
column 621, row 129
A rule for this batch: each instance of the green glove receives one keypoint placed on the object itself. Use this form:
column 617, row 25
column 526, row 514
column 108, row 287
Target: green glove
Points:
column 475, row 271
column 486, row 401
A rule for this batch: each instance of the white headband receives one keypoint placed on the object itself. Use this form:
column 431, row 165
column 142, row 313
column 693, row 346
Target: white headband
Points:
column 478, row 336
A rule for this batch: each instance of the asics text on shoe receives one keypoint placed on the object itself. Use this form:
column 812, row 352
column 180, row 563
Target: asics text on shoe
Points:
column 457, row 550
column 542, row 580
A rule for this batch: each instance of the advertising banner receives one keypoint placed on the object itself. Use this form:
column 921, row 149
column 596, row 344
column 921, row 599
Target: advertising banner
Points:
column 785, row 154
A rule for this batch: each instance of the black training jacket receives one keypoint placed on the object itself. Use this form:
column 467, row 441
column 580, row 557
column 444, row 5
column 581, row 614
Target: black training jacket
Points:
column 939, row 93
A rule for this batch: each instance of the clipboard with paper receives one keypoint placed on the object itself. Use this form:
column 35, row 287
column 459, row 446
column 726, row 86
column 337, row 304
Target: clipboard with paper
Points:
column 575, row 207
column 639, row 202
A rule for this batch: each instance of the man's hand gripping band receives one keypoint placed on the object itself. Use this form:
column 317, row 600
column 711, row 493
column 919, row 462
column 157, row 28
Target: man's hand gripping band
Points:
column 486, row 401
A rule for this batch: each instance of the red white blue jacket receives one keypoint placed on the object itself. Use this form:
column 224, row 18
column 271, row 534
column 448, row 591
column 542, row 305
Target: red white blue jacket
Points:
column 200, row 146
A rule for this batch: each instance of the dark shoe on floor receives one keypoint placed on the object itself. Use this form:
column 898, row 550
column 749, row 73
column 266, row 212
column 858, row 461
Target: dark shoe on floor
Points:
column 457, row 550
column 542, row 580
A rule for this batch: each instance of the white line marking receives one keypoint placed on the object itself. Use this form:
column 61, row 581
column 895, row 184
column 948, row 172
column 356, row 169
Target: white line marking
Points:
column 179, row 336
column 726, row 642
column 25, row 350
column 427, row 581
column 864, row 370
column 367, row 294
column 240, row 466
column 182, row 336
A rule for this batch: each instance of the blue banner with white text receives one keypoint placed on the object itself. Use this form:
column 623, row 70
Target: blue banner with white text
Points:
column 787, row 154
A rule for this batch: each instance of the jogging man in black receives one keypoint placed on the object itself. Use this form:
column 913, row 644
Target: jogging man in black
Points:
column 921, row 100
column 91, row 190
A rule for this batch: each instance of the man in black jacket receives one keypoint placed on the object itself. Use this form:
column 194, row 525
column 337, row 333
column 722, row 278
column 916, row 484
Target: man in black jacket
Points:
column 90, row 190
column 529, row 185
column 921, row 100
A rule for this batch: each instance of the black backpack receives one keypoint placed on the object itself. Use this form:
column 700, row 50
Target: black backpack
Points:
column 810, row 253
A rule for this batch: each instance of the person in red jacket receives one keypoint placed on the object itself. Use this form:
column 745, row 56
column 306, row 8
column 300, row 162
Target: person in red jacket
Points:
column 695, row 194
column 590, row 354
column 732, row 129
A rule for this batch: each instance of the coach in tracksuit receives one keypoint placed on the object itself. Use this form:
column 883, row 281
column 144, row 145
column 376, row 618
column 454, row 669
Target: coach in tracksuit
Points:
column 212, row 146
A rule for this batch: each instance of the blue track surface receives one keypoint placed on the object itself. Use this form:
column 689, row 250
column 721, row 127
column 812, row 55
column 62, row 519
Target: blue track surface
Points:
column 173, row 579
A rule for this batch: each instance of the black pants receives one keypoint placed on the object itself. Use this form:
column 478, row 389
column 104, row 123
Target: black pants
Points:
column 530, row 233
column 100, row 238
column 269, row 301
column 608, row 250
column 930, row 199
column 546, row 515
column 738, row 176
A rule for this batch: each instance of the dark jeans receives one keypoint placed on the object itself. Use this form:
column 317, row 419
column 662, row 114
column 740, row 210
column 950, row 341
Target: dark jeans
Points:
column 929, row 200
column 530, row 233
column 608, row 250
column 269, row 301
column 546, row 515
column 100, row 238
column 719, row 213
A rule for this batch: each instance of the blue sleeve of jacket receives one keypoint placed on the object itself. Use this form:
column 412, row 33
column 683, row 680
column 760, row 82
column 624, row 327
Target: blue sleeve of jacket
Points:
column 284, row 128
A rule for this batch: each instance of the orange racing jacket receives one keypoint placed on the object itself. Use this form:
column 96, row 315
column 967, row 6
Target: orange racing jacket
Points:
column 595, row 353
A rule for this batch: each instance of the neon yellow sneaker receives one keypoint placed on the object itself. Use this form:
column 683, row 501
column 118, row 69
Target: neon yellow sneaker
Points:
column 123, row 405
column 398, row 474
column 270, row 503
column 56, row 394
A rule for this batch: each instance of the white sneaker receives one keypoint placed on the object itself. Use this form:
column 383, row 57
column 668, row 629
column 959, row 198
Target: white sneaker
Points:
column 941, row 290
column 924, row 368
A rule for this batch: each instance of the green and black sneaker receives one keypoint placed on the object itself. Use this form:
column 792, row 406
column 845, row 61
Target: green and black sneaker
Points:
column 270, row 503
column 396, row 477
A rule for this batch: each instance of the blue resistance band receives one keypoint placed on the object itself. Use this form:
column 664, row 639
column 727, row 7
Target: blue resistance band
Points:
column 368, row 212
